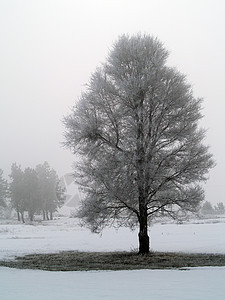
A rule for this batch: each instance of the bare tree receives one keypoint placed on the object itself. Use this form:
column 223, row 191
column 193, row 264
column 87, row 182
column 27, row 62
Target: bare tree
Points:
column 136, row 129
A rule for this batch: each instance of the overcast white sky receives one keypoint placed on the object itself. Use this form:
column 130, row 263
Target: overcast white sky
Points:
column 50, row 47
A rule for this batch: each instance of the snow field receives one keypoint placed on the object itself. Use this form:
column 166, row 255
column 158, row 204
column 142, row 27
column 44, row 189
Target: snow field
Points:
column 197, row 283
column 65, row 234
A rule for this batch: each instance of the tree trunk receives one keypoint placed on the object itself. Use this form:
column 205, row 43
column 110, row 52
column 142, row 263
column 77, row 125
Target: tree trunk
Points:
column 143, row 232
column 141, row 176
column 43, row 213
column 31, row 216
column 143, row 242
column 18, row 216
column 51, row 215
column 46, row 213
column 22, row 217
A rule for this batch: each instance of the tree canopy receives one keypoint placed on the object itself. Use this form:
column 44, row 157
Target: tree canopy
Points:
column 136, row 131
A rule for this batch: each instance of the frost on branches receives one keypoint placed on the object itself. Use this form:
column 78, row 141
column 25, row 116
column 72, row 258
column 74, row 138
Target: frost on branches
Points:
column 136, row 130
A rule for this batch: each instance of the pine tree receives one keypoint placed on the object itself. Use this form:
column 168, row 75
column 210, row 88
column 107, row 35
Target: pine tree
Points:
column 17, row 191
column 50, row 192
column 3, row 189
column 31, row 192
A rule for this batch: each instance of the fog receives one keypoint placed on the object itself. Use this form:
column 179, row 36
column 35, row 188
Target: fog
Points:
column 49, row 49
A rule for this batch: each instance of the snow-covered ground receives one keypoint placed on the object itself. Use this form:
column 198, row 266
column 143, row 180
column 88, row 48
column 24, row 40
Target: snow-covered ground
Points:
column 65, row 234
column 198, row 283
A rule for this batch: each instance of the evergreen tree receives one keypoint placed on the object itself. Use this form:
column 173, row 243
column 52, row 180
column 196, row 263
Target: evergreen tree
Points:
column 207, row 208
column 35, row 190
column 3, row 189
column 220, row 208
column 31, row 193
column 17, row 191
column 50, row 192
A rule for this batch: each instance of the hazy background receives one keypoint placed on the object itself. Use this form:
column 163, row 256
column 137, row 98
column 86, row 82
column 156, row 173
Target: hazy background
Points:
column 48, row 49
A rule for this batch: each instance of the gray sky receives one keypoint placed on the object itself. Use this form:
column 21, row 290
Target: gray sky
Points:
column 50, row 47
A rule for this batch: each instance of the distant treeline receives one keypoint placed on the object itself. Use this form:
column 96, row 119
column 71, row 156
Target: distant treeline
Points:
column 38, row 191
column 208, row 209
column 34, row 191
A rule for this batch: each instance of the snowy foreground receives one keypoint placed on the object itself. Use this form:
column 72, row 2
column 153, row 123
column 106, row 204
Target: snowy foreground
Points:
column 65, row 234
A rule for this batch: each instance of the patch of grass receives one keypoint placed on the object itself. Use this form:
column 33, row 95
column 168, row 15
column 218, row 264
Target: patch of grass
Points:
column 86, row 261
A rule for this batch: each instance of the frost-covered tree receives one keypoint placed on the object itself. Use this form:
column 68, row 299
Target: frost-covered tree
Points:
column 56, row 193
column 50, row 192
column 207, row 208
column 43, row 174
column 16, row 189
column 219, row 208
column 31, row 192
column 35, row 191
column 136, row 131
column 3, row 189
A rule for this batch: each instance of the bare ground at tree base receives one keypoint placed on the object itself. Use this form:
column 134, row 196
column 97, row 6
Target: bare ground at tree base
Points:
column 87, row 261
